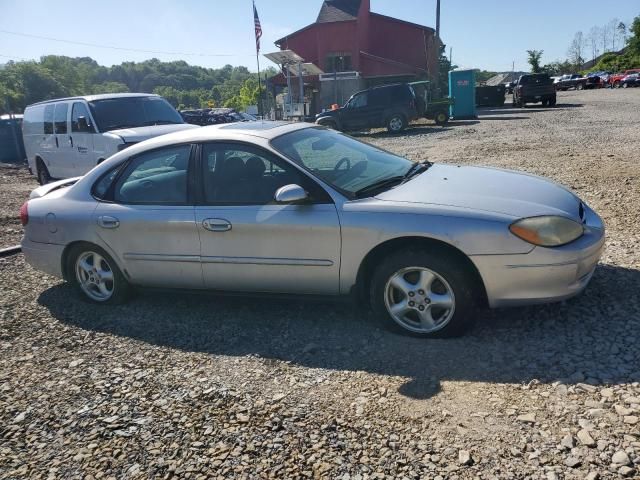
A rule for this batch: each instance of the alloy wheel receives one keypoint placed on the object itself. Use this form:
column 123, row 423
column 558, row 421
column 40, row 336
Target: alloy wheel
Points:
column 419, row 300
column 95, row 276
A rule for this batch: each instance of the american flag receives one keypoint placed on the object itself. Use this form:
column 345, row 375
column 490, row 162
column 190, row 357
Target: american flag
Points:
column 258, row 27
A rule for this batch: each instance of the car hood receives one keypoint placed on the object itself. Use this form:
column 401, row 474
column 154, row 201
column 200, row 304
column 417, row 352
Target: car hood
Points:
column 487, row 189
column 138, row 134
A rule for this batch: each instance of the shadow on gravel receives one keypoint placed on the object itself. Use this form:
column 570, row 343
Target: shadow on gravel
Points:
column 592, row 338
column 508, row 109
column 415, row 129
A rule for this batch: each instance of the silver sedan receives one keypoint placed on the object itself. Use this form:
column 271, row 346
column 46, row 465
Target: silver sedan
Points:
column 302, row 210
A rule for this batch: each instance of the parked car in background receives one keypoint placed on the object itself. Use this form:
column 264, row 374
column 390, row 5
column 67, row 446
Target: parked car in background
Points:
column 390, row 106
column 632, row 80
column 615, row 80
column 11, row 144
column 214, row 116
column 577, row 82
column 272, row 207
column 508, row 87
column 67, row 137
column 534, row 88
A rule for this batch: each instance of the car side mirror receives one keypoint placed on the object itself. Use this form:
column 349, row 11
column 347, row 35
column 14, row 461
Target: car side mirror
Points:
column 83, row 125
column 291, row 194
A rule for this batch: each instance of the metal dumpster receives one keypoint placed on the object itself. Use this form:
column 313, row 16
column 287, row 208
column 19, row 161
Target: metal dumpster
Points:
column 11, row 144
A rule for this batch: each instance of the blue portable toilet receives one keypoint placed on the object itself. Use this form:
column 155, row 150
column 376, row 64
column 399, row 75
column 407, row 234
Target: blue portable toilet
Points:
column 462, row 89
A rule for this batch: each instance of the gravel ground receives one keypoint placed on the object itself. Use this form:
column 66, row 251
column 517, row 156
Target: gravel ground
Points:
column 195, row 386
column 15, row 186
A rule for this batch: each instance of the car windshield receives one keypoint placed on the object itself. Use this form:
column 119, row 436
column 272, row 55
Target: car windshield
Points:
column 129, row 112
column 348, row 165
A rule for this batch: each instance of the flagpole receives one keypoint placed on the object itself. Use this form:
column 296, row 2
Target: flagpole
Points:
column 260, row 110
column 260, row 106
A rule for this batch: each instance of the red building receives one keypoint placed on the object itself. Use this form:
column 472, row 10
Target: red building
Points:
column 374, row 48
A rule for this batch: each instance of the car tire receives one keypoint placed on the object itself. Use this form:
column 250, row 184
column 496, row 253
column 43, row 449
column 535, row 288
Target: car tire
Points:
column 545, row 103
column 95, row 276
column 580, row 87
column 396, row 123
column 552, row 102
column 625, row 85
column 441, row 117
column 397, row 280
column 42, row 173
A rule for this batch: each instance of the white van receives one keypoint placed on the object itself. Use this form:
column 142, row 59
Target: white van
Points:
column 68, row 137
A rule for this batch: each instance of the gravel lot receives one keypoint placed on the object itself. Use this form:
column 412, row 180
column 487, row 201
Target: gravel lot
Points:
column 194, row 386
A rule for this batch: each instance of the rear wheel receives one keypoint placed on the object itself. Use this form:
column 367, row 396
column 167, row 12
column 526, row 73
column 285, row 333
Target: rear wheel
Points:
column 95, row 276
column 422, row 294
column 545, row 103
column 625, row 85
column 441, row 117
column 396, row 123
column 552, row 102
column 42, row 173
column 580, row 87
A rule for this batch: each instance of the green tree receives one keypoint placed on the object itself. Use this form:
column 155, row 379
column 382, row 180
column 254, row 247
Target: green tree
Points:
column 534, row 57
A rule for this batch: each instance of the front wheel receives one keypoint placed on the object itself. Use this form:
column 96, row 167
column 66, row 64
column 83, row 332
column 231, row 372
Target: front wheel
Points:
column 580, row 87
column 396, row 123
column 552, row 102
column 95, row 276
column 625, row 85
column 422, row 294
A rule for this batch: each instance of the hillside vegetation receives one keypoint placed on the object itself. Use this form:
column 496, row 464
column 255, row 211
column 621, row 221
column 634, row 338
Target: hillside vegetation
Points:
column 23, row 83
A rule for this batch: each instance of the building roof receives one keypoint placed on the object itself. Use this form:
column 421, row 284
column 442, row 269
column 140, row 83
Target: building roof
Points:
column 338, row 11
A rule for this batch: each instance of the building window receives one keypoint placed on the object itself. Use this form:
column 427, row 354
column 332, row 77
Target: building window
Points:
column 338, row 62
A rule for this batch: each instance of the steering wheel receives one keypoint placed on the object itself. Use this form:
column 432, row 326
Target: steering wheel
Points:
column 336, row 169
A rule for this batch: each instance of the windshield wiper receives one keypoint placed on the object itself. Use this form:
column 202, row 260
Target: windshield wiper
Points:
column 380, row 185
column 160, row 122
column 118, row 127
column 417, row 169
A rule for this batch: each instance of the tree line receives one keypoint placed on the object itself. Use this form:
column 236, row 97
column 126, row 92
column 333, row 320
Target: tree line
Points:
column 615, row 45
column 184, row 85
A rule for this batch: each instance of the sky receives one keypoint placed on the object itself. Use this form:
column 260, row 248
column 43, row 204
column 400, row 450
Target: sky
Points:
column 485, row 34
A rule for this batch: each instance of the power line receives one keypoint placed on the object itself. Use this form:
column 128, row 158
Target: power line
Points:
column 112, row 47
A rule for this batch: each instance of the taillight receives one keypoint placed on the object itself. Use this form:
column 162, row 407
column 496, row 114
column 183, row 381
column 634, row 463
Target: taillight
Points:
column 24, row 213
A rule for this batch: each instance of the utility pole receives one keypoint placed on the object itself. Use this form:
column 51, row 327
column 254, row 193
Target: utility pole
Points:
column 437, row 45
column 438, row 19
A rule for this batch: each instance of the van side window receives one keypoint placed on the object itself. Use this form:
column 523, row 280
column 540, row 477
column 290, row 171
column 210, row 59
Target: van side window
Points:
column 60, row 117
column 48, row 119
column 79, row 110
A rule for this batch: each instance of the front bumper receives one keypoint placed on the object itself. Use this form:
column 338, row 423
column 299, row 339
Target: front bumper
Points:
column 545, row 274
column 46, row 257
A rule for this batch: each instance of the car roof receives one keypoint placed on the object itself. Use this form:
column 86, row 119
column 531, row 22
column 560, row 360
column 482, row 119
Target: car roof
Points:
column 227, row 131
column 93, row 98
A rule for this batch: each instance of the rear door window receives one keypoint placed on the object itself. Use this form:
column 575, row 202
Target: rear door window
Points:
column 60, row 118
column 158, row 177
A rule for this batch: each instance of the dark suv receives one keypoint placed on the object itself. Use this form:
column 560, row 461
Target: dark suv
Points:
column 390, row 106
column 534, row 88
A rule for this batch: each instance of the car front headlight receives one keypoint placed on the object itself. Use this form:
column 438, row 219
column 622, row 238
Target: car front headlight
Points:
column 547, row 231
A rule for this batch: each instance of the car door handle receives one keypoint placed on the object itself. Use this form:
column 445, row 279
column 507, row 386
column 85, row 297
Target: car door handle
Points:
column 106, row 221
column 216, row 224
